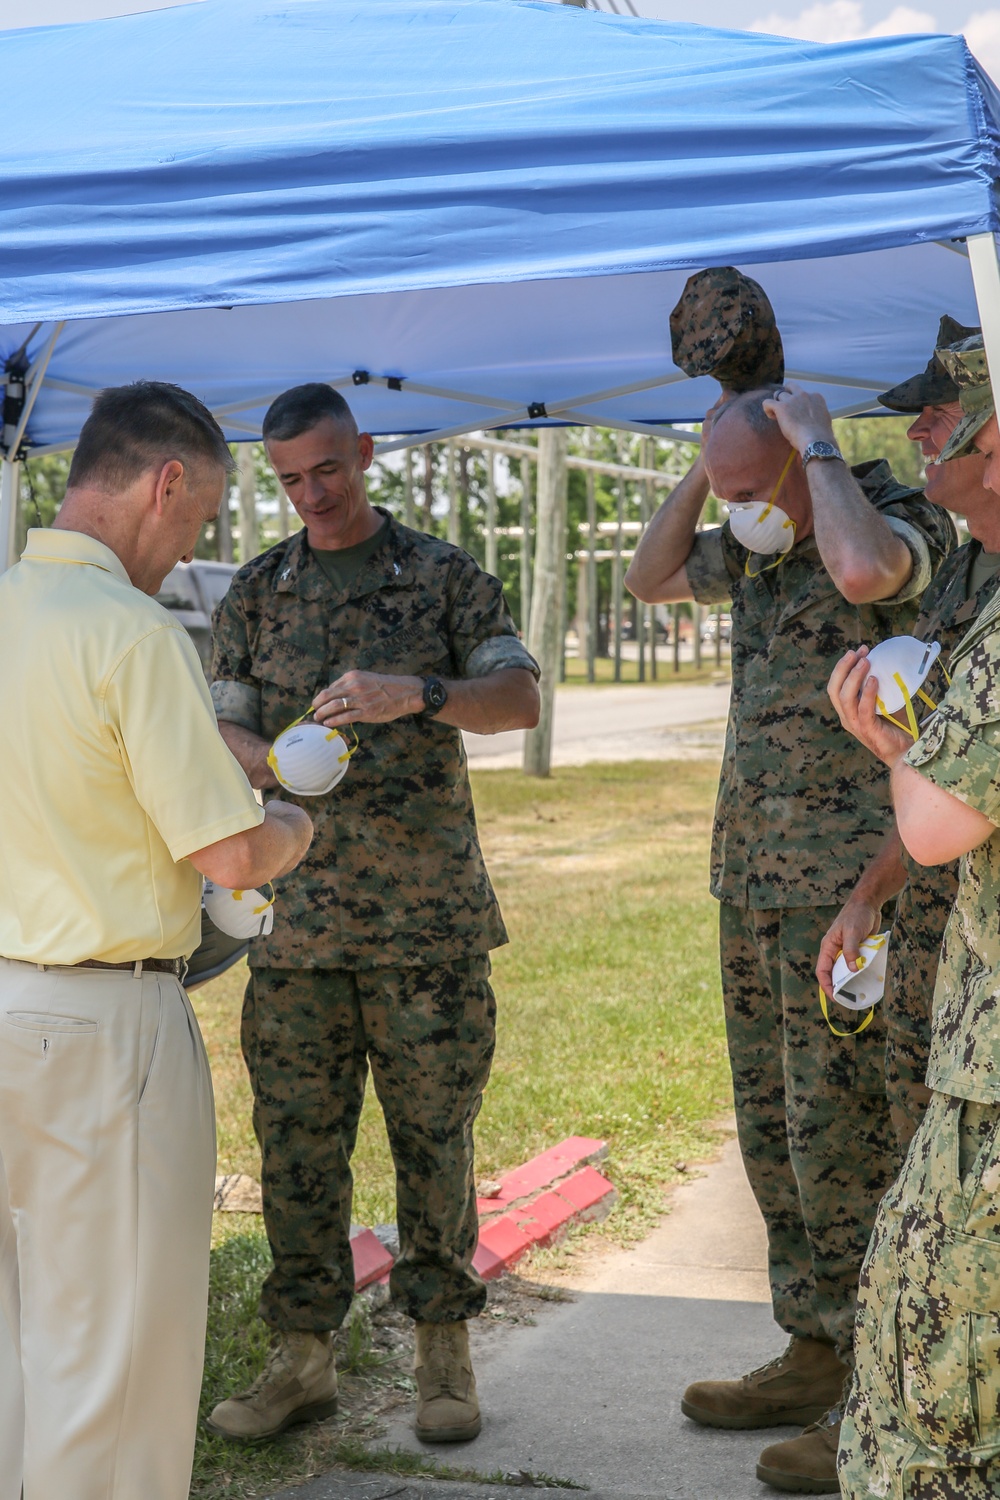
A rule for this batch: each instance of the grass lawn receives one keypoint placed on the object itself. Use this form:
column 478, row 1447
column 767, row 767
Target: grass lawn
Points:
column 609, row 1025
column 688, row 676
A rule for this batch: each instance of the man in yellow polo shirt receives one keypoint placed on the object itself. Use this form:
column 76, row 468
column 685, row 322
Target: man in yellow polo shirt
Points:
column 119, row 795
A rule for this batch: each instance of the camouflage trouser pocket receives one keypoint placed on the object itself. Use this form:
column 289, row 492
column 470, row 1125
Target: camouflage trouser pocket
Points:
column 939, row 1341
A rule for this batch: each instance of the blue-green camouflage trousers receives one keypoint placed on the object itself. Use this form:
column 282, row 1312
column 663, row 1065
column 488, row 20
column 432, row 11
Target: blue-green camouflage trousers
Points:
column 309, row 1036
column 811, row 1113
column 923, row 1419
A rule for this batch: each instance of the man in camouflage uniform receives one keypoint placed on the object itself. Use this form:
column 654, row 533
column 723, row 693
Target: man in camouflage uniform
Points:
column 379, row 955
column 800, row 811
column 923, row 1419
column 960, row 591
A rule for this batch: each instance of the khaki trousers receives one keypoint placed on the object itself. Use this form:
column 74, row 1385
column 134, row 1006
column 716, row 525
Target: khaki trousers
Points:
column 107, row 1163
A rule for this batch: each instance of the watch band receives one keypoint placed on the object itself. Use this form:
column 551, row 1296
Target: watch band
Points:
column 822, row 449
column 435, row 696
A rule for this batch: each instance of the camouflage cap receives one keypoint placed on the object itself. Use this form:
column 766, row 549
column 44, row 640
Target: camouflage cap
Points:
column 966, row 364
column 724, row 326
column 933, row 386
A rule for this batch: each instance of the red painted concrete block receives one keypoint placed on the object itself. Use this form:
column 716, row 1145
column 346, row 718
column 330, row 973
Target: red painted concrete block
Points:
column 545, row 1220
column 487, row 1263
column 505, row 1239
column 589, row 1194
column 372, row 1261
column 541, row 1172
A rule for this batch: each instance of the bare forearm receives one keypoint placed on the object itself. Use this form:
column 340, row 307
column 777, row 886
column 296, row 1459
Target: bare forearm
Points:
column 258, row 854
column 251, row 751
column 508, row 699
column 885, row 876
column 656, row 573
column 935, row 826
column 863, row 555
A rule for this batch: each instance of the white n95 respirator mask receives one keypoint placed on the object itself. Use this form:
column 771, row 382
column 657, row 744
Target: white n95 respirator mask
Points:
column 901, row 665
column 762, row 525
column 861, row 989
column 239, row 914
column 309, row 759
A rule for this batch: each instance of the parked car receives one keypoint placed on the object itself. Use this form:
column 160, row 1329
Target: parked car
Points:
column 191, row 591
column 709, row 626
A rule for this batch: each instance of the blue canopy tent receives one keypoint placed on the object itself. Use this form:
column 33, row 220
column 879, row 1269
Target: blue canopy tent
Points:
column 474, row 213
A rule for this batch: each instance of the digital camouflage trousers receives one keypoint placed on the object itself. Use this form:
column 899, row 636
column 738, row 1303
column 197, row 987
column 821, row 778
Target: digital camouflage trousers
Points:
column 811, row 1113
column 309, row 1036
column 923, row 1418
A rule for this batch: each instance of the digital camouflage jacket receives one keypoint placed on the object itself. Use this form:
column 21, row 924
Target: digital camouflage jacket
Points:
column 803, row 806
column 959, row 751
column 395, row 874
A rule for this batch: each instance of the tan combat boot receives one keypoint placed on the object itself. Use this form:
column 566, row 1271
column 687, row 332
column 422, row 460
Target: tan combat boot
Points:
column 805, row 1465
column 447, row 1404
column 297, row 1384
column 798, row 1387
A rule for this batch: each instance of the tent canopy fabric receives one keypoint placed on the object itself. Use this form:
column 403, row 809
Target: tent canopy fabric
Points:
column 484, row 205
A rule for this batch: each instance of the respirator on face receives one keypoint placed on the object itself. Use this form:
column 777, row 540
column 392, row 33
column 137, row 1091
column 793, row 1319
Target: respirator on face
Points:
column 239, row 914
column 309, row 759
column 762, row 525
column 901, row 665
column 861, row 990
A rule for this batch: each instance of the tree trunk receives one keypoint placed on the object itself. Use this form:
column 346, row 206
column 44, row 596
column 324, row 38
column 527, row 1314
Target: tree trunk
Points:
column 492, row 562
column 548, row 590
column 248, row 504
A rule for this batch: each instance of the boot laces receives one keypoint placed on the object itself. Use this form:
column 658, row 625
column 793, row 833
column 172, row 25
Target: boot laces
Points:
column 772, row 1364
column 281, row 1356
column 442, row 1359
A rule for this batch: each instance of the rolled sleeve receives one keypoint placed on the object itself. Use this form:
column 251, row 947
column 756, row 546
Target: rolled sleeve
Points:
column 237, row 703
column 963, row 759
column 483, row 637
column 923, row 569
column 498, row 653
column 710, row 569
column 190, row 786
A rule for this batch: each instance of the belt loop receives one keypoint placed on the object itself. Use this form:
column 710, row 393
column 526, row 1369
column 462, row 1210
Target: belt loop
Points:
column 137, row 971
column 40, row 968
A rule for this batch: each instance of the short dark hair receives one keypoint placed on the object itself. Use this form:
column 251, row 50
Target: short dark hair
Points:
column 750, row 406
column 303, row 408
column 134, row 428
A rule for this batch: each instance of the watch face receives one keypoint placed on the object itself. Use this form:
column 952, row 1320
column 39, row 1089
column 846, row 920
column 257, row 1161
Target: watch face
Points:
column 823, row 450
column 437, row 697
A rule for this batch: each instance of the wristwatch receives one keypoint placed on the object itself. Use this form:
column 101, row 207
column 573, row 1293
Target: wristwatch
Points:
column 822, row 449
column 435, row 696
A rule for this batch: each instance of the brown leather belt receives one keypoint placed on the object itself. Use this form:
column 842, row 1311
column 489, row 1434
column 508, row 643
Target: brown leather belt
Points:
column 175, row 966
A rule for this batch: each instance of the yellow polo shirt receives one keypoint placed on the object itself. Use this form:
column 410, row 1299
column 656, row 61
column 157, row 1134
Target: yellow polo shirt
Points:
column 113, row 767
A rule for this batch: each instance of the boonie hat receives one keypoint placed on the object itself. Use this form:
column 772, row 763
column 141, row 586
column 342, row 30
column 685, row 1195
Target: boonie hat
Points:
column 724, row 326
column 966, row 364
column 934, row 385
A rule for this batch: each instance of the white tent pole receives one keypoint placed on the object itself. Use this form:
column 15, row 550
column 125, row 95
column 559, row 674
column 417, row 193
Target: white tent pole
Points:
column 35, row 375
column 986, row 280
column 10, row 474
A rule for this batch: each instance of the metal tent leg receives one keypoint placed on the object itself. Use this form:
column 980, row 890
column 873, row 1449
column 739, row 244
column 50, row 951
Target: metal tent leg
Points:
column 10, row 474
column 986, row 280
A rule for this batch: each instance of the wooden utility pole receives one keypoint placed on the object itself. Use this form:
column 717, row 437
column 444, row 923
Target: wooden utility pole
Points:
column 453, row 516
column 526, row 518
column 248, row 503
column 224, row 528
column 491, row 514
column 409, row 507
column 592, row 603
column 616, row 581
column 428, row 488
column 549, row 591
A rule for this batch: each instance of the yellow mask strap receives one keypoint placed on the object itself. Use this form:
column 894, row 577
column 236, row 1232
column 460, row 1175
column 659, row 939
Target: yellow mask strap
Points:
column 349, row 728
column 766, row 512
column 258, row 910
column 826, row 1016
column 911, row 727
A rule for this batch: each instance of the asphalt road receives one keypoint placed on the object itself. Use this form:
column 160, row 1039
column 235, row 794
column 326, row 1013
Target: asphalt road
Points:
column 630, row 722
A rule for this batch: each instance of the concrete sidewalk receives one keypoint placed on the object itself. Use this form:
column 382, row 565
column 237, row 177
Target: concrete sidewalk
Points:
column 591, row 1392
column 626, row 722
